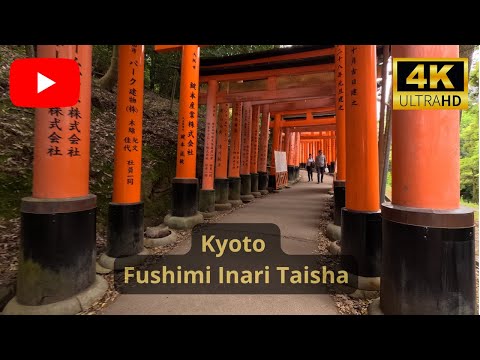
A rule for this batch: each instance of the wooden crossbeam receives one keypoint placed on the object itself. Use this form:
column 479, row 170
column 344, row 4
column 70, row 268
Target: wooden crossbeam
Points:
column 309, row 92
column 263, row 74
column 315, row 122
column 302, row 129
column 318, row 110
column 297, row 104
column 312, row 137
column 275, row 58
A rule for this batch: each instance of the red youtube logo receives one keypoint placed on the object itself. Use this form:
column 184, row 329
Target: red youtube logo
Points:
column 44, row 83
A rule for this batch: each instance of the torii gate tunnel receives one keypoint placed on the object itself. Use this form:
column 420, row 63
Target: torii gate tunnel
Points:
column 296, row 101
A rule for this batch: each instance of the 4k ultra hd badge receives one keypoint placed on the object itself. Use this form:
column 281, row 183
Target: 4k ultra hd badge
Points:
column 430, row 84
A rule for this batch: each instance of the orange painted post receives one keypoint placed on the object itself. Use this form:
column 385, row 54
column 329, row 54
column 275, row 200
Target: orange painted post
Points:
column 59, row 149
column 234, row 156
column 128, row 134
column 329, row 147
column 302, row 153
column 277, row 132
column 185, row 185
column 221, row 179
column 206, row 202
column 254, row 150
column 340, row 112
column 291, row 156
column 125, row 212
column 246, row 179
column 334, row 147
column 428, row 257
column 361, row 218
column 297, row 155
column 58, row 229
column 286, row 144
column 263, row 151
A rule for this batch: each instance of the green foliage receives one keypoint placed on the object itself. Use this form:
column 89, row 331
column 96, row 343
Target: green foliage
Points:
column 229, row 50
column 161, row 68
column 101, row 58
column 469, row 154
column 469, row 166
column 473, row 85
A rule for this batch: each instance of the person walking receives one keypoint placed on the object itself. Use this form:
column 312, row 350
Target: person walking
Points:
column 310, row 165
column 320, row 162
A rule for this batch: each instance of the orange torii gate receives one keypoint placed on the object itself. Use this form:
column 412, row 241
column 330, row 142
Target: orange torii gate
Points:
column 56, row 273
column 125, row 213
column 294, row 121
column 184, row 212
column 259, row 80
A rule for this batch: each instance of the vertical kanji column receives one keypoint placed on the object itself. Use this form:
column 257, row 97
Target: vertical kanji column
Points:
column 254, row 150
column 428, row 256
column 361, row 224
column 263, row 151
column 221, row 160
column 340, row 99
column 185, row 185
column 56, row 273
column 125, row 212
column 207, row 193
column 246, row 179
column 277, row 134
column 234, row 156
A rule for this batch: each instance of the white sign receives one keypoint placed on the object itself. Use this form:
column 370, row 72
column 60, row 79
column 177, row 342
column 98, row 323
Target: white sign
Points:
column 280, row 161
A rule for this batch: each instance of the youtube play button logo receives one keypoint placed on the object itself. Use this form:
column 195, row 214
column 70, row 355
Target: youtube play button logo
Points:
column 44, row 83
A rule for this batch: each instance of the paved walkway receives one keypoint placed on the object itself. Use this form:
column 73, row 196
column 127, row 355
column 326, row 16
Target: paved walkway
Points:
column 295, row 211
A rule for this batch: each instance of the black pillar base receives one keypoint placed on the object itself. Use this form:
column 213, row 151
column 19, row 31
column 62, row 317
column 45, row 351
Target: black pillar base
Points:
column 125, row 229
column 262, row 182
column 254, row 181
column 57, row 249
column 221, row 191
column 184, row 197
column 362, row 239
column 246, row 184
column 428, row 264
column 234, row 187
column 339, row 198
column 246, row 188
column 297, row 172
column 291, row 173
column 206, row 202
column 272, row 183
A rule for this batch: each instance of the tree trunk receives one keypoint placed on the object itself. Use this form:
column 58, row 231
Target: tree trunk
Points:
column 152, row 73
column 29, row 51
column 381, row 128
column 467, row 52
column 109, row 80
